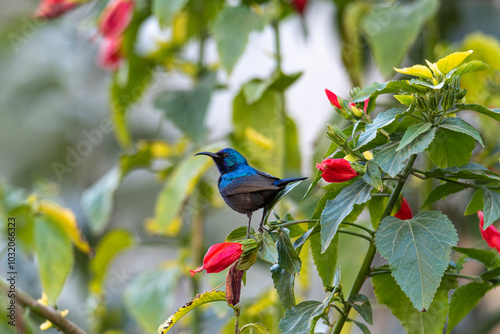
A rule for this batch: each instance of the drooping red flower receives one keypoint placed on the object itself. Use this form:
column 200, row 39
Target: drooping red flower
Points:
column 491, row 234
column 49, row 9
column 300, row 5
column 110, row 55
column 336, row 170
column 404, row 211
column 333, row 98
column 366, row 104
column 116, row 18
column 219, row 257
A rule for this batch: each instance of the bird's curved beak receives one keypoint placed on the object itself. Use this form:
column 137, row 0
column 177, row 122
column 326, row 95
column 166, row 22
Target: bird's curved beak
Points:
column 210, row 154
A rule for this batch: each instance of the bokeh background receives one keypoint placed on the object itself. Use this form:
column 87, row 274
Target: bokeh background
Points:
column 53, row 92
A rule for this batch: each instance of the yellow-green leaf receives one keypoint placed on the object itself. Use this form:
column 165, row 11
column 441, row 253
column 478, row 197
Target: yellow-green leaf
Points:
column 180, row 185
column 66, row 219
column 55, row 255
column 200, row 299
column 405, row 99
column 451, row 61
column 110, row 245
column 416, row 70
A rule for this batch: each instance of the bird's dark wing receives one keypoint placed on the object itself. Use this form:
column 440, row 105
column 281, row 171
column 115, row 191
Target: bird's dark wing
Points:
column 267, row 175
column 249, row 184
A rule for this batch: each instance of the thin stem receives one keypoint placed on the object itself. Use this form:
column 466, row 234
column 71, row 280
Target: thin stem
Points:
column 356, row 234
column 295, row 222
column 236, row 319
column 465, row 184
column 359, row 226
column 46, row 312
column 364, row 271
column 338, row 309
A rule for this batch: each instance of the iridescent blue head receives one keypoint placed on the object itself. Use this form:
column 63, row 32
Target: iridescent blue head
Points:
column 226, row 159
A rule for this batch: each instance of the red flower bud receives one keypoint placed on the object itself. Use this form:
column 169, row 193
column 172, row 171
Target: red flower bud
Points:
column 336, row 170
column 333, row 98
column 366, row 104
column 110, row 55
column 48, row 9
column 219, row 257
column 491, row 234
column 300, row 5
column 404, row 211
column 116, row 18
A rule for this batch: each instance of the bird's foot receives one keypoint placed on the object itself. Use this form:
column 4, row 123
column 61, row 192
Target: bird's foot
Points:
column 262, row 229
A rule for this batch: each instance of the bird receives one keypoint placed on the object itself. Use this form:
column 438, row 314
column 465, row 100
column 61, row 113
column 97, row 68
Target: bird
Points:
column 244, row 188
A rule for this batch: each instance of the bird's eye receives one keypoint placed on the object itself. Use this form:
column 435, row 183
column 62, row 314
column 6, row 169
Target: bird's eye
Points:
column 225, row 155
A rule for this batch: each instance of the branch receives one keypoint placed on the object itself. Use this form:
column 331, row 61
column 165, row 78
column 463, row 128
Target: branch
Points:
column 46, row 312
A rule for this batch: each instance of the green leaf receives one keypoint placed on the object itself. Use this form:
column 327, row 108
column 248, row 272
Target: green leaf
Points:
column 55, row 255
column 201, row 299
column 396, row 86
column 383, row 119
column 418, row 251
column 391, row 30
column 269, row 252
column 112, row 244
column 364, row 309
column 463, row 301
column 325, row 262
column 187, row 108
column 493, row 113
column 176, row 190
column 471, row 171
column 239, row 233
column 491, row 207
column 489, row 258
column 372, row 175
column 391, row 161
column 340, row 207
column 255, row 328
column 165, row 10
column 284, row 285
column 376, row 207
column 255, row 88
column 231, row 30
column 459, row 125
column 417, row 71
column 475, row 204
column 441, row 191
column 407, row 100
column 471, row 66
column 413, row 132
column 97, row 201
column 493, row 274
column 288, row 258
column 451, row 61
column 151, row 295
column 414, row 322
column 451, row 148
column 302, row 318
column 364, row 329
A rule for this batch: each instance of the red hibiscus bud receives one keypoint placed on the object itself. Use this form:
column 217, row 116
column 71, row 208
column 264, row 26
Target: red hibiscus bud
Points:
column 110, row 54
column 219, row 257
column 366, row 104
column 116, row 18
column 404, row 211
column 336, row 170
column 491, row 235
column 299, row 5
column 333, row 98
column 48, row 9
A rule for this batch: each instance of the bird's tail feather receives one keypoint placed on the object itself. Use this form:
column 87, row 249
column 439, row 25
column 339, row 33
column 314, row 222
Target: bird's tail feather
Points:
column 284, row 182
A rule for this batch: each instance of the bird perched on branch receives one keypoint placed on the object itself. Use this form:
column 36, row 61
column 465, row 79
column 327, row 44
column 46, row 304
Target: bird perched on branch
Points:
column 244, row 188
